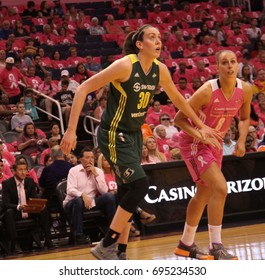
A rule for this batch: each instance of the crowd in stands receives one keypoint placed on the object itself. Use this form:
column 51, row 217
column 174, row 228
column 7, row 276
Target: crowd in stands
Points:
column 52, row 48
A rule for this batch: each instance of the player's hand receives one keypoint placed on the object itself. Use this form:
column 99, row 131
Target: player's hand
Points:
column 68, row 142
column 207, row 132
column 240, row 149
column 213, row 142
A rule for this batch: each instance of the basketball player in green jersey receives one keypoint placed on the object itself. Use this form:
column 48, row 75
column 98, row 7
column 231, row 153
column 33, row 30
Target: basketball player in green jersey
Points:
column 133, row 82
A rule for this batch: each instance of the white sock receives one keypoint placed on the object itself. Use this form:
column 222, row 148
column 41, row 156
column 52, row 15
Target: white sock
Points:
column 188, row 234
column 214, row 235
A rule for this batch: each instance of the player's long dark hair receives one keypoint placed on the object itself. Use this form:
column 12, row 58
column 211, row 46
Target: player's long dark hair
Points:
column 129, row 46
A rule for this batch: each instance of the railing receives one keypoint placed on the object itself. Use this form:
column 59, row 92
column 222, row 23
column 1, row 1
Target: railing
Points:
column 92, row 125
column 60, row 118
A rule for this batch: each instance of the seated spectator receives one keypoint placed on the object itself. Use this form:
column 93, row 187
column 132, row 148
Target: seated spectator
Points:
column 161, row 139
column 201, row 71
column 19, row 120
column 30, row 50
column 31, row 172
column 196, row 83
column 50, row 177
column 6, row 111
column 165, row 120
column 51, row 142
column 228, row 143
column 81, row 73
column 191, row 50
column 56, row 60
column 32, row 79
column 3, row 175
column 259, row 82
column 40, row 67
column 154, row 155
column 246, row 75
column 7, row 157
column 16, row 191
column 50, row 88
column 31, row 143
column 182, row 72
column 55, row 131
column 87, row 190
column 73, row 60
column 183, row 87
column 48, row 37
column 65, row 98
column 47, row 161
column 237, row 38
column 253, row 132
column 65, row 38
column 29, row 12
column 72, row 84
column 155, row 110
column 208, row 46
column 92, row 65
column 112, row 27
column 175, row 154
column 19, row 30
column 73, row 159
column 96, row 28
column 249, row 144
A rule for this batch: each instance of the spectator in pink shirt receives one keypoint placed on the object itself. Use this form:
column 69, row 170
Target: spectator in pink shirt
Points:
column 87, row 190
column 3, row 174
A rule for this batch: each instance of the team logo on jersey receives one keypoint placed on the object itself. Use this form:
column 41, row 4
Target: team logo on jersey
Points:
column 216, row 100
column 137, row 75
column 128, row 172
column 154, row 75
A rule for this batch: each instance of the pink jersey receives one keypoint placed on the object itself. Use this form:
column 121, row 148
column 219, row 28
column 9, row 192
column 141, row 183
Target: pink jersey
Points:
column 217, row 114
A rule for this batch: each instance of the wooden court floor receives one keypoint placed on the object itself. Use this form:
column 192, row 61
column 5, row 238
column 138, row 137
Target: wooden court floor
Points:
column 246, row 241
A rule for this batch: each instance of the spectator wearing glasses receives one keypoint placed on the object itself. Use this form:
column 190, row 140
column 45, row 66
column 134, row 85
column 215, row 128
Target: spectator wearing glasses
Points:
column 166, row 121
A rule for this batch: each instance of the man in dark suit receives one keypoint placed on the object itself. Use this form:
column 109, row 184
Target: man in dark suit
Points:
column 15, row 193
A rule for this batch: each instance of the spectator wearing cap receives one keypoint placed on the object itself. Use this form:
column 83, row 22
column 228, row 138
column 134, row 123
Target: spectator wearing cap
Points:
column 9, row 78
column 156, row 17
column 72, row 84
column 65, row 98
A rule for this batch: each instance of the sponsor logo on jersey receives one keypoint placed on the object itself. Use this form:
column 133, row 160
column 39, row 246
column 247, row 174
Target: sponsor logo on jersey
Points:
column 128, row 172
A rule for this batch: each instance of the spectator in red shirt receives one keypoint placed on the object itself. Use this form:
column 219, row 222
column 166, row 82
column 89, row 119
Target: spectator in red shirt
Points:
column 82, row 73
column 31, row 78
column 9, row 78
column 184, row 89
column 73, row 59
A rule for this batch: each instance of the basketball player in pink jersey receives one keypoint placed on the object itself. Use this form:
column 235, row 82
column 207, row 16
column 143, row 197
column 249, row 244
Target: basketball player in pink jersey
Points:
column 216, row 102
